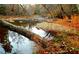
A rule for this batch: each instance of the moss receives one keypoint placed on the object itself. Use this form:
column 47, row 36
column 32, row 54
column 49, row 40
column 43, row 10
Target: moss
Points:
column 60, row 37
column 75, row 49
column 57, row 38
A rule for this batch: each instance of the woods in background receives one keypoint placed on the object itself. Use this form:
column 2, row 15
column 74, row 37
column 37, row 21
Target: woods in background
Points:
column 50, row 10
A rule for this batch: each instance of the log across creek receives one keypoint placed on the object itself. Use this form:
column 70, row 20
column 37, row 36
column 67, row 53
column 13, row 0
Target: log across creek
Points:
column 32, row 36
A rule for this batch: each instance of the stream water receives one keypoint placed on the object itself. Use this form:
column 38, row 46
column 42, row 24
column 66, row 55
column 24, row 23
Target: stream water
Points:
column 21, row 44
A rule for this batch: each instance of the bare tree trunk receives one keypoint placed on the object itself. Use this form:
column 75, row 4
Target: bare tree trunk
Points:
column 24, row 32
column 48, row 10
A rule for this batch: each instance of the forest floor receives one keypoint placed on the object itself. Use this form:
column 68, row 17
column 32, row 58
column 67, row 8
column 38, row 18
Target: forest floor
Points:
column 62, row 42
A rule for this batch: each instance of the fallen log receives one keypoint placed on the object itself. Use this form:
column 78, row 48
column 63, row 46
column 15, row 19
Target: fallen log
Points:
column 24, row 32
column 28, row 21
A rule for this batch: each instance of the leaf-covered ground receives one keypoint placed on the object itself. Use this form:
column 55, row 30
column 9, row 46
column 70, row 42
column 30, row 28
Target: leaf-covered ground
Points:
column 63, row 42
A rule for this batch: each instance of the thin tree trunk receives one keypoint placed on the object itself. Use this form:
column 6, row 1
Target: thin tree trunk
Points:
column 48, row 10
